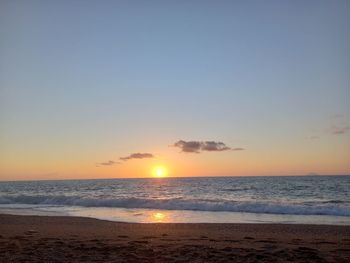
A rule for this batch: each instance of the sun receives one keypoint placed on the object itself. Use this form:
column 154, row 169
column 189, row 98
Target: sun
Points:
column 159, row 171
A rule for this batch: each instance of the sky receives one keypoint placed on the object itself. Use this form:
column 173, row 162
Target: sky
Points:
column 109, row 89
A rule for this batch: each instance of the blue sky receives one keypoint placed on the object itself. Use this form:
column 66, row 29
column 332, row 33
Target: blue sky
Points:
column 102, row 79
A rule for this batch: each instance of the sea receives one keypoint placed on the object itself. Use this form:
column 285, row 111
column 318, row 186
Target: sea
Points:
column 262, row 199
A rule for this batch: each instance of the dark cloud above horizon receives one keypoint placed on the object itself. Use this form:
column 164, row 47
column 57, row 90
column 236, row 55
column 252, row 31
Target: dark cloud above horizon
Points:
column 188, row 147
column 200, row 146
column 238, row 149
column 137, row 156
column 212, row 146
column 108, row 163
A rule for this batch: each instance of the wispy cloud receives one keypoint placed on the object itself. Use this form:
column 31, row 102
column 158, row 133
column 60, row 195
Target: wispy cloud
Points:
column 238, row 149
column 200, row 146
column 336, row 127
column 108, row 163
column 137, row 156
column 337, row 130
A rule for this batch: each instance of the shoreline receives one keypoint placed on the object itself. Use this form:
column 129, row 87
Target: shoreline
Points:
column 67, row 217
column 146, row 215
column 71, row 239
column 38, row 213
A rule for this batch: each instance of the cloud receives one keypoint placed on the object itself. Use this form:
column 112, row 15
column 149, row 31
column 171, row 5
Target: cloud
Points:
column 339, row 130
column 238, row 149
column 200, row 146
column 336, row 128
column 137, row 156
column 108, row 163
column 189, row 147
column 212, row 146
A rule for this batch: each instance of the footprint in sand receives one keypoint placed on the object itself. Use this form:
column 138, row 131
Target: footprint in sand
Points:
column 266, row 241
column 30, row 232
column 139, row 242
column 149, row 237
column 231, row 240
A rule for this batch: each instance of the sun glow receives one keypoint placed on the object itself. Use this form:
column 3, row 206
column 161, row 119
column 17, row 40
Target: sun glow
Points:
column 159, row 171
column 158, row 217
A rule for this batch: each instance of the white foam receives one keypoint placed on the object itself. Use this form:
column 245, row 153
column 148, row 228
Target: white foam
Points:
column 334, row 209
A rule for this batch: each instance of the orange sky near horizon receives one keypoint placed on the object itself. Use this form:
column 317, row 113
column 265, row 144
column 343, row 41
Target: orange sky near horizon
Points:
column 248, row 162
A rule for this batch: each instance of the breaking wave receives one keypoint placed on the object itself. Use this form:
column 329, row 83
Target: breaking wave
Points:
column 329, row 208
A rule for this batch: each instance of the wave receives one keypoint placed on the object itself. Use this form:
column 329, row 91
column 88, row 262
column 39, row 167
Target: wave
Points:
column 333, row 209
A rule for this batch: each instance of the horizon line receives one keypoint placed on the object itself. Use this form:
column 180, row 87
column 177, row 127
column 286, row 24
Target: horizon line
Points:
column 174, row 177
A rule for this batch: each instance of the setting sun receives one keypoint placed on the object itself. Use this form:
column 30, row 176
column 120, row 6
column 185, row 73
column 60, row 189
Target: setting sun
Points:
column 159, row 171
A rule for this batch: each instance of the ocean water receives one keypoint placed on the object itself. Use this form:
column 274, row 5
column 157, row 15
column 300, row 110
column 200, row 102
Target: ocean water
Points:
column 292, row 199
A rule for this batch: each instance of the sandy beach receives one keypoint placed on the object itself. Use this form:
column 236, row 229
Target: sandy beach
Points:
column 75, row 239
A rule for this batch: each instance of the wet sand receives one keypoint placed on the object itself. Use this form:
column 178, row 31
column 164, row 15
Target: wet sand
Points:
column 75, row 239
